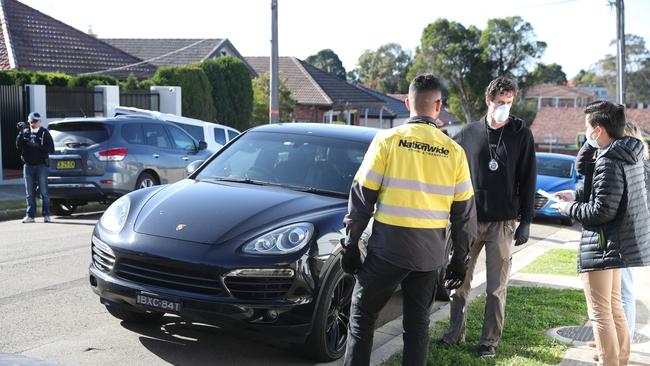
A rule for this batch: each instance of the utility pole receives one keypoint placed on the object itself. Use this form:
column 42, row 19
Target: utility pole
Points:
column 620, row 52
column 274, row 112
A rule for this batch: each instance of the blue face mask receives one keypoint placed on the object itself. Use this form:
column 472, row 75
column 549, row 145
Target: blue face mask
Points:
column 590, row 140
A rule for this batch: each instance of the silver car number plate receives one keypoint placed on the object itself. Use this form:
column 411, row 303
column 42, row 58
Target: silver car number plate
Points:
column 159, row 303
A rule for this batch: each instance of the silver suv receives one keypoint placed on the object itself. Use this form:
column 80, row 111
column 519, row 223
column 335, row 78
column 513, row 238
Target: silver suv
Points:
column 100, row 159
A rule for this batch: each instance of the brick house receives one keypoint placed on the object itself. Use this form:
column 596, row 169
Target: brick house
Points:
column 320, row 97
column 558, row 129
column 551, row 95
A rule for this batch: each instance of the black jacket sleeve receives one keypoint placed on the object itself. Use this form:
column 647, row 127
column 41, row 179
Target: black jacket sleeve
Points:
column 585, row 162
column 463, row 232
column 361, row 206
column 48, row 144
column 20, row 142
column 608, row 187
column 527, row 175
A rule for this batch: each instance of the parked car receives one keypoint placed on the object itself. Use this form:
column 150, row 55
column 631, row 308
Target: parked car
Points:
column 555, row 172
column 251, row 238
column 214, row 134
column 101, row 159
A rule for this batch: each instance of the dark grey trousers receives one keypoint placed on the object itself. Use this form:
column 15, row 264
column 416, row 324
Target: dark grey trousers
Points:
column 377, row 280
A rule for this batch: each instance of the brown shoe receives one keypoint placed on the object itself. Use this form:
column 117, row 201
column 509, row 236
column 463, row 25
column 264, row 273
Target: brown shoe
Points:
column 591, row 344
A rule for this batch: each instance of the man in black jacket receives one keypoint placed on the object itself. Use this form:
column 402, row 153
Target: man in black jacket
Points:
column 35, row 144
column 501, row 153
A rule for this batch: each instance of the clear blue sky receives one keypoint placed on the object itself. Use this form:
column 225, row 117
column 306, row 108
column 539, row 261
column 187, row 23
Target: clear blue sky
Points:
column 578, row 32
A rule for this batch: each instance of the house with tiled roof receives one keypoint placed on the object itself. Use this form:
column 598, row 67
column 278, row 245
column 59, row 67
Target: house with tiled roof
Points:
column 319, row 96
column 31, row 40
column 451, row 123
column 559, row 128
column 551, row 95
column 176, row 52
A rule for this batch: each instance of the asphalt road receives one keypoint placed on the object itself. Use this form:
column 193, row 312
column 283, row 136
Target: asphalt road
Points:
column 48, row 312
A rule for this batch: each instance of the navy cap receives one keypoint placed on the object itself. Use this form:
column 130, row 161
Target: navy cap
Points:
column 33, row 117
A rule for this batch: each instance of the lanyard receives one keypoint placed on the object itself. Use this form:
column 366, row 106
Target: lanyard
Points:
column 493, row 165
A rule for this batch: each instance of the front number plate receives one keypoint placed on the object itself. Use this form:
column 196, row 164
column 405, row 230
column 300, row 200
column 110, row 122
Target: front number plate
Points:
column 167, row 305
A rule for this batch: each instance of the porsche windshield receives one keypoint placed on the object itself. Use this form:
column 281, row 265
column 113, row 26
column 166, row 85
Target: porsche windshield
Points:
column 302, row 162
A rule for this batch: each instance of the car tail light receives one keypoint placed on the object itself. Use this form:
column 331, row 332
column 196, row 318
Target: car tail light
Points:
column 117, row 154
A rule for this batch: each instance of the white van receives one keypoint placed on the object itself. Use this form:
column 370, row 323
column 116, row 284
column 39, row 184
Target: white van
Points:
column 215, row 135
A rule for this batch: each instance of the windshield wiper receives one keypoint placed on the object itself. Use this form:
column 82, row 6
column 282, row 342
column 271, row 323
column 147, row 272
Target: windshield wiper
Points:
column 237, row 180
column 314, row 190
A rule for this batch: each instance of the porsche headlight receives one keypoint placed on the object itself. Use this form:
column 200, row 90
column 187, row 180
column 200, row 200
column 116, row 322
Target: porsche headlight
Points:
column 285, row 240
column 115, row 216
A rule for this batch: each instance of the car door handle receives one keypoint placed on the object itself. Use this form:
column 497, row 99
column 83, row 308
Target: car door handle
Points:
column 185, row 158
column 156, row 156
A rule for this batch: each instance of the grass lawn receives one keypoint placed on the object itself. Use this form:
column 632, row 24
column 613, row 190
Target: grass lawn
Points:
column 530, row 312
column 7, row 205
column 555, row 262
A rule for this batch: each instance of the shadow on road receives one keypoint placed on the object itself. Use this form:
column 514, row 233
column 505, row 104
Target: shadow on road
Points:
column 183, row 343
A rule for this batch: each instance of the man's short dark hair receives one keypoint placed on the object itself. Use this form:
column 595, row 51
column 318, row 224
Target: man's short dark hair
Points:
column 501, row 85
column 609, row 115
column 422, row 92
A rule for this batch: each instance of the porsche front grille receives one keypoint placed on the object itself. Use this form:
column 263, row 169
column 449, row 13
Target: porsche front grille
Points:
column 102, row 255
column 170, row 277
column 258, row 288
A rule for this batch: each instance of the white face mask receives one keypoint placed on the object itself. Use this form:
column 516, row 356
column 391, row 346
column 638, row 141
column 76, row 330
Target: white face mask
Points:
column 501, row 113
column 590, row 140
column 34, row 130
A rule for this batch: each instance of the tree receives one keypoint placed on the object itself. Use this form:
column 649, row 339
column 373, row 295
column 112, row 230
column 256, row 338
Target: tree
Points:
column 131, row 83
column 196, row 92
column 385, row 69
column 548, row 74
column 637, row 71
column 509, row 44
column 261, row 101
column 328, row 61
column 452, row 52
column 232, row 90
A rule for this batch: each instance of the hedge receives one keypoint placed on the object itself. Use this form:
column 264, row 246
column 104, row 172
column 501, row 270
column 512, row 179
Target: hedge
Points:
column 195, row 89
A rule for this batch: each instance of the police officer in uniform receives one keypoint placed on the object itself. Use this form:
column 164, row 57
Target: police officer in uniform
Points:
column 418, row 180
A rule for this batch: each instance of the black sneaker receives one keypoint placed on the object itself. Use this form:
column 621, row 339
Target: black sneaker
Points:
column 487, row 351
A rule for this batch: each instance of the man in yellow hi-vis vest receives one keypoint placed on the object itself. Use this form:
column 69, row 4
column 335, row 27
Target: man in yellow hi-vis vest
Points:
column 414, row 180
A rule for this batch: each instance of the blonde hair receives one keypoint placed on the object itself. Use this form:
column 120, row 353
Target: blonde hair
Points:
column 633, row 130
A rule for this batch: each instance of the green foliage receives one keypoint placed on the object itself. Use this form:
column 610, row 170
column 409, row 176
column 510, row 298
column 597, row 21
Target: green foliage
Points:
column 58, row 79
column 131, row 83
column 232, row 90
column 546, row 74
column 328, row 61
column 89, row 81
column 22, row 77
column 555, row 262
column 451, row 52
column 385, row 69
column 196, row 90
column 509, row 44
column 261, row 101
column 530, row 312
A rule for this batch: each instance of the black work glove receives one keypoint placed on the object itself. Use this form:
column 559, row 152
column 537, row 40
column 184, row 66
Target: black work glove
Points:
column 455, row 273
column 522, row 233
column 351, row 259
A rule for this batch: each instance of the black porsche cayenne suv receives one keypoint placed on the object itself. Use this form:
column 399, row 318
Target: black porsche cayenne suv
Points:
column 250, row 238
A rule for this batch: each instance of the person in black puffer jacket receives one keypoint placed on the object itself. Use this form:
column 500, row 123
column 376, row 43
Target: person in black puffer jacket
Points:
column 616, row 225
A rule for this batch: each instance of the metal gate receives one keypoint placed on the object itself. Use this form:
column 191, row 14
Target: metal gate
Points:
column 12, row 111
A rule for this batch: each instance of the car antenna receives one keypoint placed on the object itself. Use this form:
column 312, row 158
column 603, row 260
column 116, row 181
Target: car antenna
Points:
column 82, row 112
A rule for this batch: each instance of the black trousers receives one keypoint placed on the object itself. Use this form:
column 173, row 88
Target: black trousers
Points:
column 377, row 280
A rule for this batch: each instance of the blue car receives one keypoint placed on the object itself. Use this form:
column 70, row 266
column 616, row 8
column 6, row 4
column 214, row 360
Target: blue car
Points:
column 555, row 172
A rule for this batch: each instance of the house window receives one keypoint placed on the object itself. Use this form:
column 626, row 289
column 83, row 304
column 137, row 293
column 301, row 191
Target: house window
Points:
column 224, row 53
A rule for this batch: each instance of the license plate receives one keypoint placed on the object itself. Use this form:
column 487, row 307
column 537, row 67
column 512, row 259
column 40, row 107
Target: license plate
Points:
column 158, row 303
column 65, row 164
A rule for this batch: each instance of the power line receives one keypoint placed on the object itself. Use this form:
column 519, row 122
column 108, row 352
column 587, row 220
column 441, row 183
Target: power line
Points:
column 147, row 60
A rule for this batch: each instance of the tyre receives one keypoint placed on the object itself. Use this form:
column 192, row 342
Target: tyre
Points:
column 61, row 208
column 329, row 333
column 146, row 180
column 132, row 315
